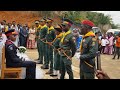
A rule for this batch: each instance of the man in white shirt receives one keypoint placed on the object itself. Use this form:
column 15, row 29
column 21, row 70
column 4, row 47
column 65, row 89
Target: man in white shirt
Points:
column 104, row 42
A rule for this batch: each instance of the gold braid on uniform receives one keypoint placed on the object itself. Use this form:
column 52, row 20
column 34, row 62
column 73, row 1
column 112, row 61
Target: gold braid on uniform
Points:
column 64, row 35
column 58, row 36
column 38, row 27
column 49, row 29
column 86, row 35
column 43, row 26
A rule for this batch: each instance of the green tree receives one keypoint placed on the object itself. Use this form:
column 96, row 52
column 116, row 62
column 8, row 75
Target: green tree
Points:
column 99, row 18
column 46, row 14
column 75, row 16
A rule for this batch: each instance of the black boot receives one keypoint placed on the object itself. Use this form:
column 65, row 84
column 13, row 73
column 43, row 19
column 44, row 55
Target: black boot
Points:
column 113, row 58
column 49, row 72
column 44, row 67
column 54, row 74
column 39, row 62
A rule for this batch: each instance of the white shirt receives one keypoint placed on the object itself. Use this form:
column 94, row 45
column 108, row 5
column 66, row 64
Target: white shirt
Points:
column 104, row 42
column 3, row 39
column 100, row 37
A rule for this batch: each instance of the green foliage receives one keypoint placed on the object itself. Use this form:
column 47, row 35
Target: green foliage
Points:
column 46, row 14
column 99, row 18
column 78, row 16
column 22, row 49
column 75, row 16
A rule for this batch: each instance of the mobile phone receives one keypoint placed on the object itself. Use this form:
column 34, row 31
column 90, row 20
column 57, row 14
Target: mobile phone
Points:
column 98, row 61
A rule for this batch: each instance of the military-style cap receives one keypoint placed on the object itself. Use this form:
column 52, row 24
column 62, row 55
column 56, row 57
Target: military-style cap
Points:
column 11, row 32
column 37, row 21
column 58, row 28
column 67, row 22
column 49, row 20
column 42, row 20
column 88, row 22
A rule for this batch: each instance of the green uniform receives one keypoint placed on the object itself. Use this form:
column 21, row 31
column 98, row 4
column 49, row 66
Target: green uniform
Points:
column 56, row 53
column 87, row 58
column 38, row 41
column 42, row 34
column 49, row 49
column 68, row 46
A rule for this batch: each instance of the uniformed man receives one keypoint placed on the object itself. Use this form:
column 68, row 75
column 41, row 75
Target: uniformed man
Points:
column 38, row 37
column 88, row 49
column 68, row 49
column 12, row 60
column 42, row 34
column 59, row 34
column 49, row 49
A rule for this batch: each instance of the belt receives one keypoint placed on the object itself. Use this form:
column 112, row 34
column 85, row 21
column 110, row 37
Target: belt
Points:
column 88, row 64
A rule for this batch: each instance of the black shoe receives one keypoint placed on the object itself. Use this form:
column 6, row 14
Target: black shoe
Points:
column 52, row 75
column 49, row 72
column 113, row 58
column 44, row 67
column 39, row 62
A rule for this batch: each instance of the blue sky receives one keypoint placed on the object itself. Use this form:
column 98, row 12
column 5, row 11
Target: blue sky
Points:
column 115, row 15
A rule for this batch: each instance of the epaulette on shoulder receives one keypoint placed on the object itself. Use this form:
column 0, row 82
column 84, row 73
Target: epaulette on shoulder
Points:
column 10, row 47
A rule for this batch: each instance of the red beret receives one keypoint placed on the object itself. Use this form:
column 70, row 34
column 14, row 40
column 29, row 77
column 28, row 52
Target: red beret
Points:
column 88, row 22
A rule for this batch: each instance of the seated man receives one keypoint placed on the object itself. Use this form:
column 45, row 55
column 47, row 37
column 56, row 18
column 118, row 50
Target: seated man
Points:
column 12, row 60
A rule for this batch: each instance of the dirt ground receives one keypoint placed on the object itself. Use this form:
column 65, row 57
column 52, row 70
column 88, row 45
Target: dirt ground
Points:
column 112, row 67
column 23, row 17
